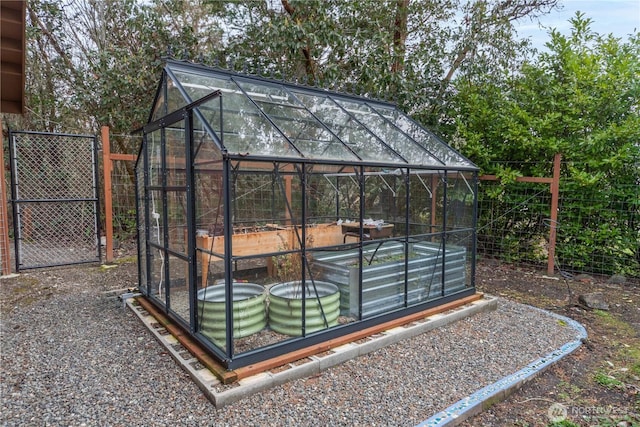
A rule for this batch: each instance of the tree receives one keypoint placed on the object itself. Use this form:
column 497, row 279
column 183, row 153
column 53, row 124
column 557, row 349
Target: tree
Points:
column 406, row 51
column 92, row 57
column 97, row 63
column 580, row 99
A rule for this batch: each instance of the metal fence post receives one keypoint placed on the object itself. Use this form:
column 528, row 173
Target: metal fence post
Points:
column 5, row 252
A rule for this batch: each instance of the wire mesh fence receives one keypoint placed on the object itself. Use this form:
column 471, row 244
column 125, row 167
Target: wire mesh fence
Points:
column 596, row 233
column 597, row 227
column 122, row 179
column 124, row 199
column 512, row 224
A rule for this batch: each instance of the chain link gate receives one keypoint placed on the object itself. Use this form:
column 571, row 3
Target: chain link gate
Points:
column 55, row 199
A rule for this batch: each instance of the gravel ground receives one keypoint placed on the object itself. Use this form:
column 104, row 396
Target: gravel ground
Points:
column 71, row 355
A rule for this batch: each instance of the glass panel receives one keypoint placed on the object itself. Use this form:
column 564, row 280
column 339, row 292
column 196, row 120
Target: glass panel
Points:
column 322, row 198
column 266, row 203
column 156, row 220
column 458, row 276
column 258, row 197
column 302, row 129
column 250, row 317
column 383, row 262
column 437, row 222
column 175, row 157
column 383, row 276
column 338, row 267
column 160, row 107
column 209, row 111
column 388, row 133
column 246, row 130
column 154, row 153
column 209, row 215
column 211, row 314
column 175, row 99
column 210, row 267
column 382, row 202
column 177, row 220
column 429, row 141
column 356, row 136
column 142, row 242
column 334, row 193
column 197, row 85
column 426, row 269
column 347, row 186
column 459, row 201
column 179, row 280
column 157, row 285
column 423, row 209
column 175, row 174
column 460, row 215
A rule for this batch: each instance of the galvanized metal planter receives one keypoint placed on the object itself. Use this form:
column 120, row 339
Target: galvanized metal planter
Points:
column 322, row 307
column 383, row 282
column 249, row 310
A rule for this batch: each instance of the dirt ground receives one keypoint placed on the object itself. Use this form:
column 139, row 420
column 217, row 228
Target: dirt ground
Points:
column 599, row 384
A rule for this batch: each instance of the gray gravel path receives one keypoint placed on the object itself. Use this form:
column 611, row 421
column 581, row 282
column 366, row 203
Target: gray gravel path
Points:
column 72, row 356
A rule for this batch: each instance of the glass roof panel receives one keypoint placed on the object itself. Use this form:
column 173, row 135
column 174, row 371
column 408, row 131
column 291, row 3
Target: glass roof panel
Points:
column 345, row 127
column 168, row 99
column 264, row 118
column 429, row 141
column 390, row 134
column 296, row 122
column 160, row 105
column 246, row 130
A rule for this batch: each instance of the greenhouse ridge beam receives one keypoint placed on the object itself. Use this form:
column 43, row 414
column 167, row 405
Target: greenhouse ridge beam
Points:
column 365, row 163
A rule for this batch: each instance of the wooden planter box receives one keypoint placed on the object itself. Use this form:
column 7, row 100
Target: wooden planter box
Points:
column 267, row 241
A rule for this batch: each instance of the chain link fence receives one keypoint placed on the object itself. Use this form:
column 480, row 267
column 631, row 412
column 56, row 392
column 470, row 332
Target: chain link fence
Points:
column 54, row 198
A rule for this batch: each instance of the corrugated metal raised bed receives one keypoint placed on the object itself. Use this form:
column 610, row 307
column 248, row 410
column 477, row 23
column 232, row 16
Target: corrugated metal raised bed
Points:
column 383, row 275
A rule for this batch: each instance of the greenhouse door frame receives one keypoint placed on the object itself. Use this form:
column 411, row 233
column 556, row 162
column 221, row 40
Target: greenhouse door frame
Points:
column 39, row 218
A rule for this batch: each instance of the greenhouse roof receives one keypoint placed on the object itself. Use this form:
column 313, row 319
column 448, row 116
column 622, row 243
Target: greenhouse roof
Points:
column 261, row 118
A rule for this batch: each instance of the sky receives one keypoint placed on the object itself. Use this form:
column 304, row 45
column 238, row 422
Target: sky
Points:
column 619, row 17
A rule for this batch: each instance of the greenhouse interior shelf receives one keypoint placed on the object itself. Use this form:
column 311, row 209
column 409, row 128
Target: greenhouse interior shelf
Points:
column 274, row 216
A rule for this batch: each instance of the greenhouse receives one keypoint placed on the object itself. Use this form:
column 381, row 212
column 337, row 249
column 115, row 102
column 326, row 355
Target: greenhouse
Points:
column 275, row 216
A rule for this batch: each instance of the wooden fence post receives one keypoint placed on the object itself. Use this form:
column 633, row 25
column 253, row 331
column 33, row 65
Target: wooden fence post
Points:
column 553, row 221
column 108, row 196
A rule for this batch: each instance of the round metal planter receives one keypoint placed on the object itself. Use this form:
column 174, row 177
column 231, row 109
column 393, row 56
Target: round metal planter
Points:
column 249, row 310
column 285, row 307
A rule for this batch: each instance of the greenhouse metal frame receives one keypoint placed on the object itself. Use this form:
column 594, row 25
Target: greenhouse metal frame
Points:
column 274, row 216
